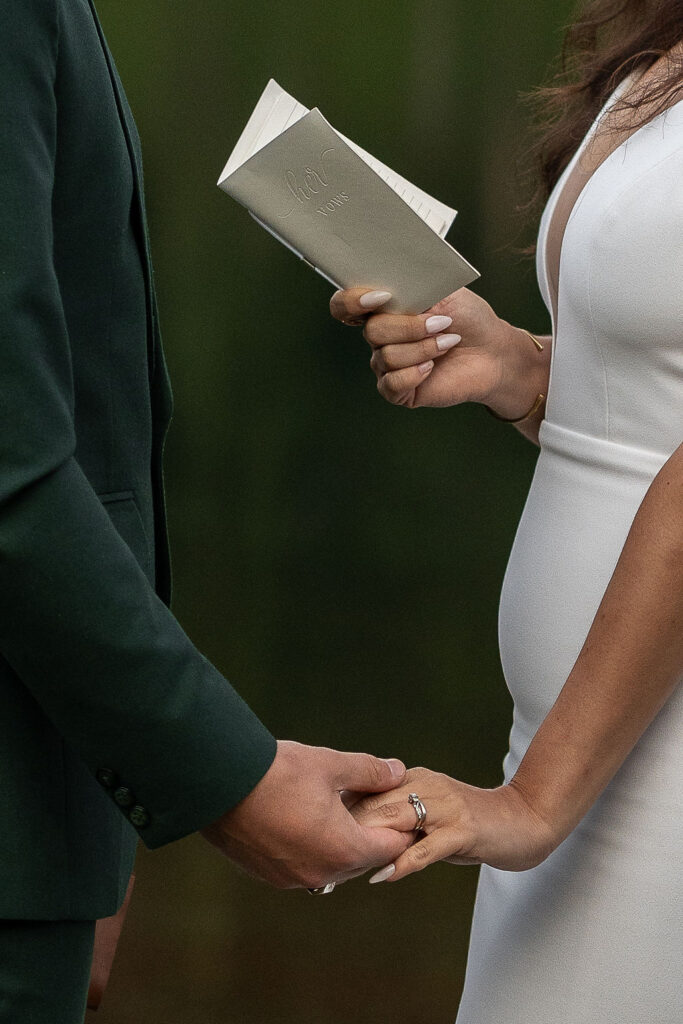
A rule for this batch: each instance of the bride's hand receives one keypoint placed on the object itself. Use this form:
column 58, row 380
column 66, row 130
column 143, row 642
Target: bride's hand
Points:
column 458, row 351
column 464, row 825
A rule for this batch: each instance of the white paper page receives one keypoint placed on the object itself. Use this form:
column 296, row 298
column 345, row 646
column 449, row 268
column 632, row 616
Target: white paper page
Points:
column 276, row 111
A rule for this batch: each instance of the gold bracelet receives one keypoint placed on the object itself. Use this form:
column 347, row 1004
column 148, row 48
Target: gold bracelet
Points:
column 538, row 401
column 533, row 338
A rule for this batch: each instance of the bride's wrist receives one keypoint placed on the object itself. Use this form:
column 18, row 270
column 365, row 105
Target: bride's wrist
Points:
column 525, row 366
column 555, row 804
column 544, row 828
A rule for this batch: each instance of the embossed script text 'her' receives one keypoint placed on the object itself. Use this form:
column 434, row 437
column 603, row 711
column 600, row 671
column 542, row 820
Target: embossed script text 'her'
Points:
column 310, row 184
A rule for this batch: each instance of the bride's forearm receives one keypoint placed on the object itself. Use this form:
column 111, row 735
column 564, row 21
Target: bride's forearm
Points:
column 628, row 667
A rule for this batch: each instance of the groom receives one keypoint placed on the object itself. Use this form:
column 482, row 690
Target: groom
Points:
column 112, row 724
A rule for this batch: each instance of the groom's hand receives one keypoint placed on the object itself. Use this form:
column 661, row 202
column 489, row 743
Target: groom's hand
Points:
column 293, row 828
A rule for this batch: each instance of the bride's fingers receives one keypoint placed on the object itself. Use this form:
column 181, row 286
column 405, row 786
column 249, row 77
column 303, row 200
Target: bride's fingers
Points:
column 434, row 847
column 397, row 357
column 397, row 814
column 395, row 328
column 396, row 385
column 353, row 305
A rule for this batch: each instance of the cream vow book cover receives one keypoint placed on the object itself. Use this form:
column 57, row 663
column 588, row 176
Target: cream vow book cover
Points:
column 351, row 218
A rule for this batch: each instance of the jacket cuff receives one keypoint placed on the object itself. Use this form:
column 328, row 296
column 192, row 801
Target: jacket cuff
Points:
column 223, row 754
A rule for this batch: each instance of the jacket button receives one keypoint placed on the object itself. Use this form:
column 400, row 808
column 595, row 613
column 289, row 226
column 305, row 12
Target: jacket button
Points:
column 106, row 777
column 124, row 797
column 139, row 816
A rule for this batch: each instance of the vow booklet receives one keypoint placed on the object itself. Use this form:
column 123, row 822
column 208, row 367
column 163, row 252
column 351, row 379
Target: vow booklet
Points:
column 347, row 215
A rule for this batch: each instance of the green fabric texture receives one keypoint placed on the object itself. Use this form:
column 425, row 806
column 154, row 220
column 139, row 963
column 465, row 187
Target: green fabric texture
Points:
column 45, row 971
column 112, row 724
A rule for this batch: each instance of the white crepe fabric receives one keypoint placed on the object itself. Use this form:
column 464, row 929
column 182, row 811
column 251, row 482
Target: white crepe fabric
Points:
column 594, row 935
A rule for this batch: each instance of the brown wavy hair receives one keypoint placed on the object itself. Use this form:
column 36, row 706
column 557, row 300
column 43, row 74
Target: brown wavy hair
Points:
column 608, row 40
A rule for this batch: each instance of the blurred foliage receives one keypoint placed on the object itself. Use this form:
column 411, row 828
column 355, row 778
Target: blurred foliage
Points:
column 339, row 559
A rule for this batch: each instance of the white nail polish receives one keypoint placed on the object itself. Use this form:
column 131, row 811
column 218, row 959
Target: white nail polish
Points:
column 426, row 367
column 437, row 323
column 446, row 341
column 381, row 876
column 371, row 300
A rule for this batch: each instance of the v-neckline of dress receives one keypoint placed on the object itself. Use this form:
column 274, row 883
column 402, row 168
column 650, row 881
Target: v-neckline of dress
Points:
column 552, row 288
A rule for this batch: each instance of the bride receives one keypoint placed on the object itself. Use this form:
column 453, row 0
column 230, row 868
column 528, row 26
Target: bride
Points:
column 579, row 910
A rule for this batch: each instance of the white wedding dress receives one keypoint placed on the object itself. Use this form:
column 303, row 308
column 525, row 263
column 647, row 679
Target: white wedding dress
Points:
column 594, row 935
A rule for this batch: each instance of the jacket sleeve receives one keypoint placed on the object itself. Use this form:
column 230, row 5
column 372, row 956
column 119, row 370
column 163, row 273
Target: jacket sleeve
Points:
column 80, row 625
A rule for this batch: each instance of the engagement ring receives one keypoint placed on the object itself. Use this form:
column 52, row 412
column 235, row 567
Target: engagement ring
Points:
column 420, row 811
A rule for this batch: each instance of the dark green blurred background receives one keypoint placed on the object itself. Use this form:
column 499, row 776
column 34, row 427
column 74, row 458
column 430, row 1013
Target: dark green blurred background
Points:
column 339, row 559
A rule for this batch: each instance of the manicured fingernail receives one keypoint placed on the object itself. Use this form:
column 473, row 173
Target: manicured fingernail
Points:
column 446, row 341
column 426, row 367
column 371, row 300
column 381, row 876
column 437, row 323
column 396, row 767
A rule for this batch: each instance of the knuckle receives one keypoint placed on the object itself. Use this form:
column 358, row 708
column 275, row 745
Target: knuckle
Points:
column 451, row 302
column 428, row 349
column 413, row 329
column 392, row 389
column 393, row 381
column 420, row 852
column 384, row 389
column 389, row 358
column 373, row 803
column 373, row 769
column 372, row 330
column 390, row 812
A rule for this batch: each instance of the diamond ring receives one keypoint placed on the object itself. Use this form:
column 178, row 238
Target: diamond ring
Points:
column 420, row 811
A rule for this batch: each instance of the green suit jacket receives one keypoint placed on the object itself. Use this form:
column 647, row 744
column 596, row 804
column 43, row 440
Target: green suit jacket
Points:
column 112, row 724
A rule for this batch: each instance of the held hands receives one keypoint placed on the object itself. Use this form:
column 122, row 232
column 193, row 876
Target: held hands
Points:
column 300, row 826
column 294, row 830
column 463, row 825
column 458, row 351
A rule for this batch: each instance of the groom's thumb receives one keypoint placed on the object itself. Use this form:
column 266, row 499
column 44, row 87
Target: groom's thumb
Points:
column 363, row 773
